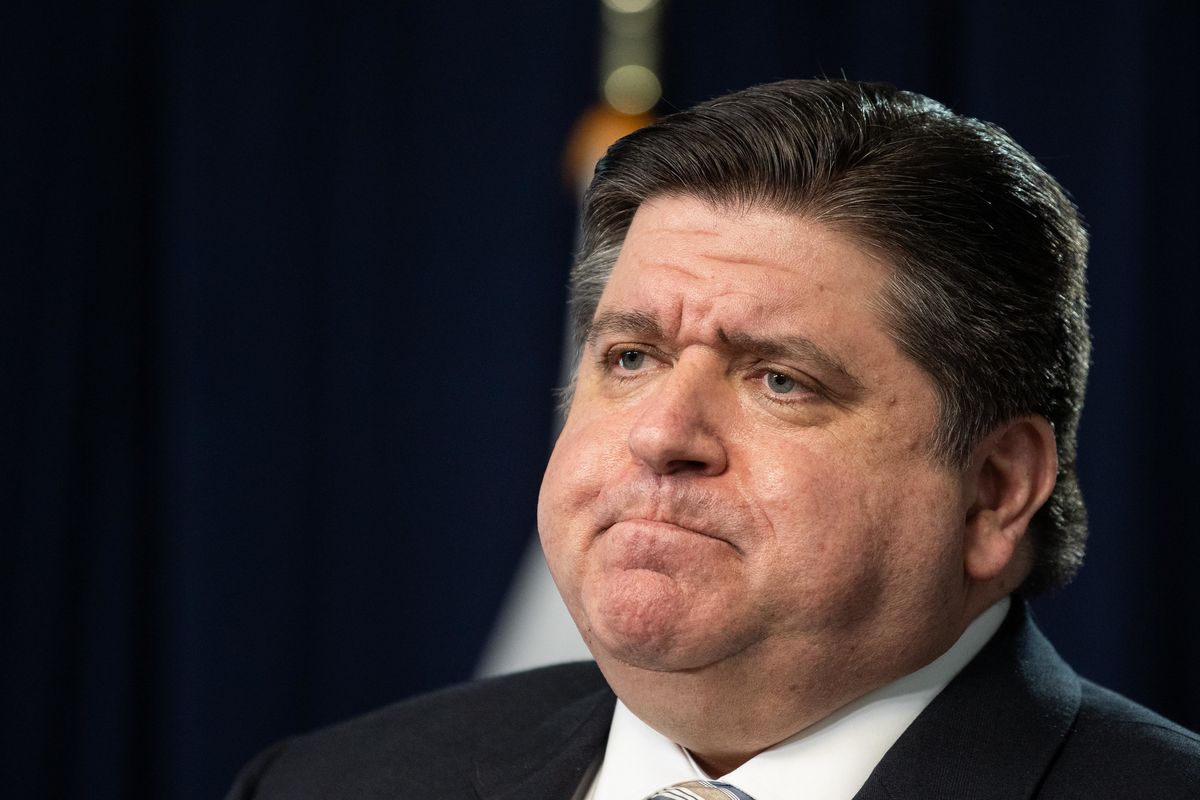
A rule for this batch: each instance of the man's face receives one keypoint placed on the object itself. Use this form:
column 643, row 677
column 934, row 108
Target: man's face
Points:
column 745, row 471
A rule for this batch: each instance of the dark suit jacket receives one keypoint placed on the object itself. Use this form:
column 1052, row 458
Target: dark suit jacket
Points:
column 1017, row 722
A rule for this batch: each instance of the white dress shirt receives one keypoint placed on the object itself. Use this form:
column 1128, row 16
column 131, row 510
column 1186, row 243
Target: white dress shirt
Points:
column 830, row 760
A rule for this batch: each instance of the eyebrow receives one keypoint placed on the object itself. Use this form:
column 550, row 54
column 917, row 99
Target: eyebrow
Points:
column 795, row 348
column 634, row 322
column 799, row 348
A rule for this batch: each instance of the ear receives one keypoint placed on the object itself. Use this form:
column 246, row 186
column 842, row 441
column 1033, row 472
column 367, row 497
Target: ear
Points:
column 1013, row 470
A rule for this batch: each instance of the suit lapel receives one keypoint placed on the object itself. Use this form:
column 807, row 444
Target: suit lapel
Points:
column 551, row 763
column 993, row 731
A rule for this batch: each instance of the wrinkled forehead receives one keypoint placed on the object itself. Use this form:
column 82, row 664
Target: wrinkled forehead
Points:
column 690, row 273
column 753, row 260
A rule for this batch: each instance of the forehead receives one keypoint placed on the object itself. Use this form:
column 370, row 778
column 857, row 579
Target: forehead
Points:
column 698, row 268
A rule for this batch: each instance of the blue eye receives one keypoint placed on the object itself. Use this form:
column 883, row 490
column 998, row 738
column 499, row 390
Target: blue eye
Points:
column 780, row 383
column 632, row 360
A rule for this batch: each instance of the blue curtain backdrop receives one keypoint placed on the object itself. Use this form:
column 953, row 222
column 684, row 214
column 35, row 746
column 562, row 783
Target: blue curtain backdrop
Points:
column 282, row 291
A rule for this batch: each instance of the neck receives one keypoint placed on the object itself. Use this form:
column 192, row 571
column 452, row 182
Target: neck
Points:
column 735, row 709
column 728, row 713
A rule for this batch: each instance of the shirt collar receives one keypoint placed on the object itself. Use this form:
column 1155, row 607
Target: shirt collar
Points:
column 831, row 760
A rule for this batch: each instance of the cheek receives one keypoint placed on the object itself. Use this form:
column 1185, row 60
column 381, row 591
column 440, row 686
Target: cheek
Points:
column 847, row 536
column 580, row 465
column 814, row 517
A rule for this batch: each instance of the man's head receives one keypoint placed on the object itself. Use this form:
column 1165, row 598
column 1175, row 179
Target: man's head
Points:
column 987, row 294
column 829, row 332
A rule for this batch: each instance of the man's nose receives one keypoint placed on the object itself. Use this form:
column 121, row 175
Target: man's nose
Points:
column 675, row 429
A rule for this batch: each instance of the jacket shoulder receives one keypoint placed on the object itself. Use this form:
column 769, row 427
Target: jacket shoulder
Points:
column 1117, row 748
column 426, row 742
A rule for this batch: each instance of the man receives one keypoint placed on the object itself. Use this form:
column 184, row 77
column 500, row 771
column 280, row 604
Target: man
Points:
column 821, row 445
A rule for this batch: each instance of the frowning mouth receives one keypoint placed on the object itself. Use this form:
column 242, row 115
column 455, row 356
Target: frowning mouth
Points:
column 674, row 511
column 656, row 528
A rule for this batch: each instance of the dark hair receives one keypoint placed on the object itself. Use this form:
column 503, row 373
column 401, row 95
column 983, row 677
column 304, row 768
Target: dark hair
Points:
column 987, row 292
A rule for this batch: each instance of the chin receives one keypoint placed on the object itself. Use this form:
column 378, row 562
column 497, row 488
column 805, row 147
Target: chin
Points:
column 645, row 621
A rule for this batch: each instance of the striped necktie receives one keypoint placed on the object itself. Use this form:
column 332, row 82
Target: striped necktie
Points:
column 700, row 790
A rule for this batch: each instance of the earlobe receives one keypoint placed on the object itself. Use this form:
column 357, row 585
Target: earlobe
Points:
column 1013, row 473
